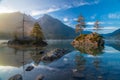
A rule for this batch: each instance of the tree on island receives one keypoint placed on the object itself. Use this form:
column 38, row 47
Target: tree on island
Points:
column 36, row 32
column 96, row 25
column 81, row 24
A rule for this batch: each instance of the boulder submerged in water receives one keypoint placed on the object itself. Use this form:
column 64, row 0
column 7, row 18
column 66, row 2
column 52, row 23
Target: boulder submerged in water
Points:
column 16, row 77
column 40, row 77
column 29, row 68
column 54, row 54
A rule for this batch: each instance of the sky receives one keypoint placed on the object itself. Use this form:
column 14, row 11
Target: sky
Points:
column 67, row 11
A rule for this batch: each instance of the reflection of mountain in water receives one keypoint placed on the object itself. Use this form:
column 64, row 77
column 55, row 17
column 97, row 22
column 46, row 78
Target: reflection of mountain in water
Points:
column 114, row 44
column 64, row 44
column 14, row 59
column 14, row 56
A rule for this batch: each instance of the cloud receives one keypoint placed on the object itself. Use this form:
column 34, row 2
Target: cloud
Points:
column 93, row 16
column 65, row 19
column 75, row 19
column 114, row 15
column 38, row 12
column 38, row 7
column 93, row 22
column 66, row 5
column 90, row 23
column 103, row 28
column 6, row 10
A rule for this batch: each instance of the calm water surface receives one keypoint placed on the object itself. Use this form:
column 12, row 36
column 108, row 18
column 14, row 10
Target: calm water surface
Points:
column 104, row 66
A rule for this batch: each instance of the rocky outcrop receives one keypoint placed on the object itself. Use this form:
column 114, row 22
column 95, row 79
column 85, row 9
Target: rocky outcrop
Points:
column 88, row 40
column 26, row 42
column 48, row 55
column 89, row 43
column 54, row 54
column 29, row 68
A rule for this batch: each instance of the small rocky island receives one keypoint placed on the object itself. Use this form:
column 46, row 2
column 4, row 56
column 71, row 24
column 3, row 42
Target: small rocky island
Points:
column 35, row 38
column 91, row 40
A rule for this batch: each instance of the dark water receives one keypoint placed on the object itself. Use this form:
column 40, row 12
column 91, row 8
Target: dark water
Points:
column 76, row 65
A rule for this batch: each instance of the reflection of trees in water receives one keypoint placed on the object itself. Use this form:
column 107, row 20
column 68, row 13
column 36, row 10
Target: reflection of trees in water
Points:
column 15, row 51
column 92, row 71
column 80, row 62
column 24, row 58
column 87, row 72
column 90, row 50
column 95, row 51
column 96, row 62
column 36, row 56
column 35, row 53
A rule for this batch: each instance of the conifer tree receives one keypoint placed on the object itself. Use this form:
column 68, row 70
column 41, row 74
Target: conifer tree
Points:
column 81, row 24
column 37, row 32
column 96, row 25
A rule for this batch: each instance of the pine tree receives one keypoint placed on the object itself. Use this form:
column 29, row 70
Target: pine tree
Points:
column 81, row 24
column 37, row 32
column 96, row 25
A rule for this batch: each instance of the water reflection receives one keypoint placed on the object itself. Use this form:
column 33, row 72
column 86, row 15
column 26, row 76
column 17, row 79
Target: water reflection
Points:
column 80, row 62
column 33, row 55
column 90, row 50
column 36, row 55
column 114, row 44
column 101, row 64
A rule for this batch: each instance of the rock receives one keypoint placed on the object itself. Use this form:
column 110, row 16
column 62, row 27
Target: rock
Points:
column 89, row 43
column 29, row 68
column 41, row 52
column 40, row 77
column 100, row 78
column 16, row 77
column 74, row 70
column 78, row 75
column 93, row 40
column 54, row 54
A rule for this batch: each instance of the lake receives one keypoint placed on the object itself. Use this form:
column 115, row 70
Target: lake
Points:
column 75, row 65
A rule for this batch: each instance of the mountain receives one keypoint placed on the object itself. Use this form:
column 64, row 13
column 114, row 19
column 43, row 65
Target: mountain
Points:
column 55, row 29
column 114, row 35
column 51, row 27
column 114, row 44
column 11, row 22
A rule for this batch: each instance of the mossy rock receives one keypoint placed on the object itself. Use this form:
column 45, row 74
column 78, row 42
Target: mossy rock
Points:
column 92, row 39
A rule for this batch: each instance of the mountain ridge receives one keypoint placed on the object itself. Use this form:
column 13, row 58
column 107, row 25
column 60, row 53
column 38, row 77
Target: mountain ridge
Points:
column 113, row 36
column 52, row 27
